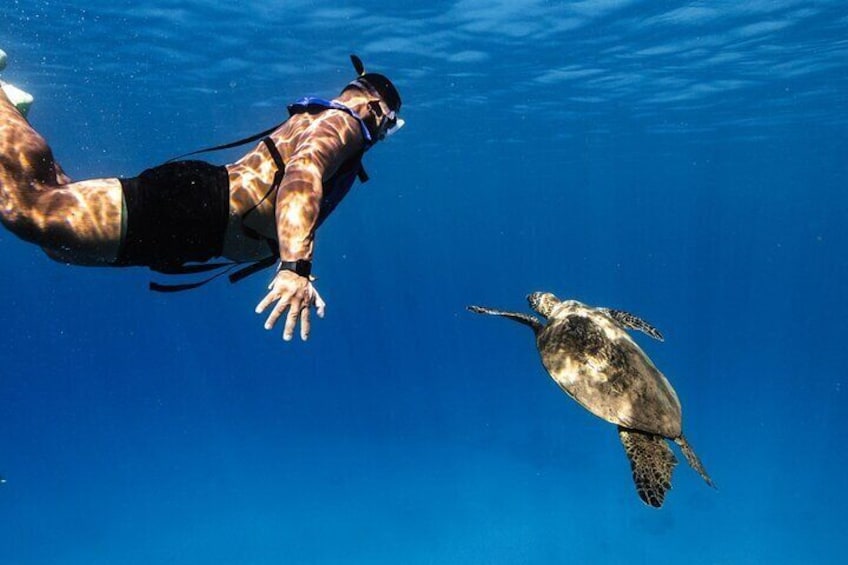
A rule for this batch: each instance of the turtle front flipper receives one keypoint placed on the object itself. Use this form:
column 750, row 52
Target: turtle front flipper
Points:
column 652, row 462
column 525, row 319
column 632, row 322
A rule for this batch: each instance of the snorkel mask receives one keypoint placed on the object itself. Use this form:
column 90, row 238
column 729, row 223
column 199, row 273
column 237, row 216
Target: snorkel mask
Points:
column 375, row 82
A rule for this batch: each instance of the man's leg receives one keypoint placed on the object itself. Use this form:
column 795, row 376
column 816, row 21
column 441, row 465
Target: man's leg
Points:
column 74, row 222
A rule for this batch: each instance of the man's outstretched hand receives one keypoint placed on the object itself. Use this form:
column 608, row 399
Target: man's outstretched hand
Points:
column 295, row 293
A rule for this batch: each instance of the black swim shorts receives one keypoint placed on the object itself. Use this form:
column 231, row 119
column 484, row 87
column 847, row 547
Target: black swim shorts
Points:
column 176, row 213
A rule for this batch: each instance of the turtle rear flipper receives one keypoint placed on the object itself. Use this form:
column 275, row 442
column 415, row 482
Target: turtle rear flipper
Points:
column 693, row 460
column 652, row 462
column 525, row 319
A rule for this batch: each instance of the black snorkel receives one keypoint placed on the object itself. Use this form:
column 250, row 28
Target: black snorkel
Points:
column 357, row 65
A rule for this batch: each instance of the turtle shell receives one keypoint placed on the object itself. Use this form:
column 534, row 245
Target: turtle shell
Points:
column 597, row 363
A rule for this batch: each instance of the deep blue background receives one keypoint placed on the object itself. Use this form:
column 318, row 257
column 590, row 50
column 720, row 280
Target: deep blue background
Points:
column 685, row 161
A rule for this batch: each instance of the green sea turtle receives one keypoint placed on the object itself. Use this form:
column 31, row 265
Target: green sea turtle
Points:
column 590, row 356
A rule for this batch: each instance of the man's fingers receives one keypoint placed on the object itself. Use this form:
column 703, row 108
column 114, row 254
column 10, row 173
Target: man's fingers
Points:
column 263, row 304
column 291, row 294
column 275, row 315
column 278, row 310
column 319, row 303
column 291, row 320
column 305, row 323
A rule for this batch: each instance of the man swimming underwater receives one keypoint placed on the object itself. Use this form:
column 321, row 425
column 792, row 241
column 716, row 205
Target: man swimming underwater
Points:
column 263, row 209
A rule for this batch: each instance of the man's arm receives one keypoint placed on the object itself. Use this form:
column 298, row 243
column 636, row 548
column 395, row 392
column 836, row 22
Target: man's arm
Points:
column 298, row 205
column 297, row 208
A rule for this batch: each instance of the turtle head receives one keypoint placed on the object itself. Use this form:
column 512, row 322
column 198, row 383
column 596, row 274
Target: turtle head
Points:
column 542, row 302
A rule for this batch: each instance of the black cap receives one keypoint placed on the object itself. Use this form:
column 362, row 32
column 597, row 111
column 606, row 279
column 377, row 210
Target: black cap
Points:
column 384, row 88
column 376, row 82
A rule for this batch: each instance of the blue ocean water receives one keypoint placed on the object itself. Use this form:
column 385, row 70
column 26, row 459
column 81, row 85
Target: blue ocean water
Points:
column 685, row 161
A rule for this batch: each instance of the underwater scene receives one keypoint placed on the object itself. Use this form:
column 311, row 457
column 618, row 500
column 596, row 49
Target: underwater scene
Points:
column 588, row 307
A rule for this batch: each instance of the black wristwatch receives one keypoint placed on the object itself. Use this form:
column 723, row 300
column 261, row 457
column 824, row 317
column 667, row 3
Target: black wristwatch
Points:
column 302, row 267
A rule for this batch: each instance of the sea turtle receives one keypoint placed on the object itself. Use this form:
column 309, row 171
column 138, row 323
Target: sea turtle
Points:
column 590, row 356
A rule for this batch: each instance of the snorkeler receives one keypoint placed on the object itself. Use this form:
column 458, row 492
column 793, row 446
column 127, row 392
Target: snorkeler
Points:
column 262, row 210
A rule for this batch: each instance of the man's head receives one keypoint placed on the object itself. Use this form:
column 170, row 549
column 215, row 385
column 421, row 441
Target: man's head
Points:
column 384, row 109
